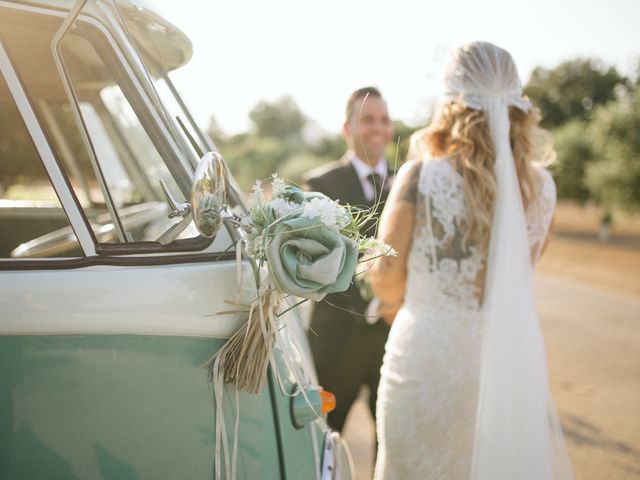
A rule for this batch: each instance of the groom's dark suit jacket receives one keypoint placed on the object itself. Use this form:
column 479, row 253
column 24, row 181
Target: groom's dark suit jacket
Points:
column 347, row 350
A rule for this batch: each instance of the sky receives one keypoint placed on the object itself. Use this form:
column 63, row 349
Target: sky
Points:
column 318, row 52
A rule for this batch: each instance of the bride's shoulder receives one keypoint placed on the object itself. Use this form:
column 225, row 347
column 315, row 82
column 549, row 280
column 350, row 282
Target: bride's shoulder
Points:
column 410, row 167
column 419, row 168
column 439, row 171
column 427, row 175
column 409, row 172
column 541, row 171
column 544, row 179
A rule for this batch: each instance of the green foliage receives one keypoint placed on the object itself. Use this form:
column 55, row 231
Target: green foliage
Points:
column 215, row 131
column 396, row 152
column 615, row 178
column 600, row 159
column 20, row 161
column 280, row 119
column 297, row 165
column 331, row 146
column 594, row 117
column 251, row 158
column 574, row 152
column 275, row 145
column 573, row 89
column 17, row 152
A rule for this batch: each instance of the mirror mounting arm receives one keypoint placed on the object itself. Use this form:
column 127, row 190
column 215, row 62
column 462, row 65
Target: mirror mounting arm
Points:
column 177, row 209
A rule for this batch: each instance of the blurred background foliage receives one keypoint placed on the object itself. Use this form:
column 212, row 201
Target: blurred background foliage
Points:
column 590, row 109
column 593, row 114
column 284, row 140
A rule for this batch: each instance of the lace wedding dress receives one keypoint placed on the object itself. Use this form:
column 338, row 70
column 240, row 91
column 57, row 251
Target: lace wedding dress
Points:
column 429, row 387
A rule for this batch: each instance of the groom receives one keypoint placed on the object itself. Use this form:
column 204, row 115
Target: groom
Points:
column 347, row 344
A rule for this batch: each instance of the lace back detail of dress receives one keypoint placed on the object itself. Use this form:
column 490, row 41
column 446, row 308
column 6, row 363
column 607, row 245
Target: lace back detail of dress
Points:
column 438, row 257
column 440, row 263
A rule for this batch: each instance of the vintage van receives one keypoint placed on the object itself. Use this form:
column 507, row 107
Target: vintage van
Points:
column 110, row 298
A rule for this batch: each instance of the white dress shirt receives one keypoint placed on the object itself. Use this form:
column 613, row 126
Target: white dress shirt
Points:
column 363, row 170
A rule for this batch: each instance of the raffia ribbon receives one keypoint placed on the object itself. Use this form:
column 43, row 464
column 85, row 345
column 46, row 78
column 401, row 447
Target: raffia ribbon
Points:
column 244, row 359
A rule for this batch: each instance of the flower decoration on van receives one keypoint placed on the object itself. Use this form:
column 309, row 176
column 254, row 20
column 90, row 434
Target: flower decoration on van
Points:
column 310, row 246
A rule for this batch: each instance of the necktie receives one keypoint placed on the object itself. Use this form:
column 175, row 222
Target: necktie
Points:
column 376, row 182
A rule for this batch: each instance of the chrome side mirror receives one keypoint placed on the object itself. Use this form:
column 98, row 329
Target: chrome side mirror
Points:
column 209, row 194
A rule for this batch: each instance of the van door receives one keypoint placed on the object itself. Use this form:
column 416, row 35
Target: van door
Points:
column 109, row 307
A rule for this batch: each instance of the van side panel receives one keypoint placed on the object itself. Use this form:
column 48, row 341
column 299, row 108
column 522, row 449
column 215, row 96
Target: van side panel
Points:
column 120, row 406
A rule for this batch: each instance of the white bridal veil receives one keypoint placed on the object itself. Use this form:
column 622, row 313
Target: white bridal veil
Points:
column 518, row 434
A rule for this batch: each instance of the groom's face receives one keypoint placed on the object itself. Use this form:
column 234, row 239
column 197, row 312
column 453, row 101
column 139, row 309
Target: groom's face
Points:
column 368, row 131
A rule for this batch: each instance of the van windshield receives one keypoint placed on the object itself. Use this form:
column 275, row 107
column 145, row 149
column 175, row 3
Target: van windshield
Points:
column 163, row 48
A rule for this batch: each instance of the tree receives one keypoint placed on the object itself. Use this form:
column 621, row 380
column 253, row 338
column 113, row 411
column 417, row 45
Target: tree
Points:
column 252, row 158
column 280, row 119
column 298, row 165
column 331, row 146
column 276, row 144
column 573, row 89
column 615, row 178
column 575, row 151
column 215, row 131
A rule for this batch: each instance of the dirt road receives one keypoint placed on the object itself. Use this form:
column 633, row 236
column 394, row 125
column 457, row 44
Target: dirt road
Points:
column 593, row 345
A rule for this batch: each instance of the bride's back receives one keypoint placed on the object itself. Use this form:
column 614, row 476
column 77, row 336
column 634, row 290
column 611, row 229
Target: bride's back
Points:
column 457, row 190
column 446, row 264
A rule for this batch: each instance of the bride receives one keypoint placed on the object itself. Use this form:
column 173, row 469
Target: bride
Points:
column 464, row 391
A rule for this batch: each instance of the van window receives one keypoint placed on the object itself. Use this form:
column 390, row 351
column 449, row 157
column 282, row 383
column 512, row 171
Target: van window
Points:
column 30, row 212
column 120, row 191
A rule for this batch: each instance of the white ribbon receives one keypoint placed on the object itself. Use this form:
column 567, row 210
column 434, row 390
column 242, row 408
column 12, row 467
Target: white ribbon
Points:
column 266, row 295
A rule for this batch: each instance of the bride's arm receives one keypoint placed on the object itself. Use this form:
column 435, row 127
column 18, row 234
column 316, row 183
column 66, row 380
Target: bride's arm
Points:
column 389, row 274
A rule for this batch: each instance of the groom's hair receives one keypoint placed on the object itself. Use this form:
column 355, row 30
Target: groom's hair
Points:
column 361, row 93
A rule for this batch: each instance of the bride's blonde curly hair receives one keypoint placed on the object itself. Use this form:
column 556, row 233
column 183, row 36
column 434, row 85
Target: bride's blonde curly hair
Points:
column 462, row 135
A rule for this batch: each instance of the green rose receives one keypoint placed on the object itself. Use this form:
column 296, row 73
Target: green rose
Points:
column 294, row 194
column 308, row 259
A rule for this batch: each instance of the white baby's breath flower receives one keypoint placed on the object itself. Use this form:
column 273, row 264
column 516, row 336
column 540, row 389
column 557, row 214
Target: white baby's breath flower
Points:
column 376, row 248
column 327, row 211
column 257, row 200
column 277, row 186
column 254, row 245
column 282, row 207
column 342, row 215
